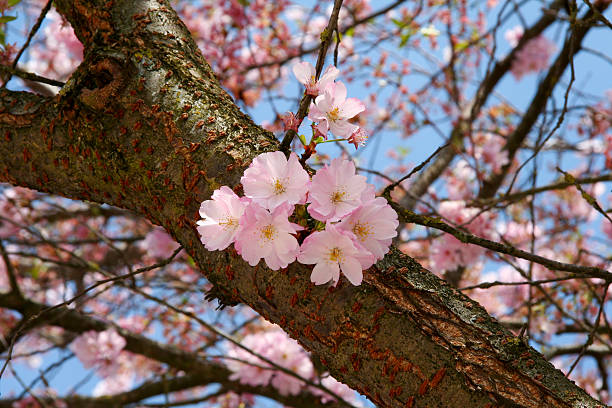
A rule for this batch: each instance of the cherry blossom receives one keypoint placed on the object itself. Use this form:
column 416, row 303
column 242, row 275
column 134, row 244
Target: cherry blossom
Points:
column 220, row 218
column 290, row 122
column 374, row 225
column 267, row 235
column 534, row 55
column 61, row 53
column 272, row 180
column 113, row 384
column 98, row 349
column 333, row 251
column 358, row 138
column 288, row 354
column 430, row 31
column 305, row 74
column 251, row 50
column 159, row 244
column 447, row 252
column 488, row 149
column 276, row 346
column 337, row 388
column 335, row 191
column 257, row 373
column 607, row 228
column 332, row 110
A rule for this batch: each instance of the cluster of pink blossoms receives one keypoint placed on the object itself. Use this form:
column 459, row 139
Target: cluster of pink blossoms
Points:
column 98, row 349
column 447, row 252
column 533, row 57
column 358, row 226
column 61, row 52
column 277, row 347
column 331, row 109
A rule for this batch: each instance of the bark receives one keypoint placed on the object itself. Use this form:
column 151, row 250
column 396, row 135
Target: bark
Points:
column 143, row 125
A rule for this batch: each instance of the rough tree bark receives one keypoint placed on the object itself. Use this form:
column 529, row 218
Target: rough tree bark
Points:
column 144, row 125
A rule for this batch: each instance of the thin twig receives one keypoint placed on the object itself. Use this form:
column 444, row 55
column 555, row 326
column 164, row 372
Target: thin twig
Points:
column 28, row 76
column 35, row 27
column 326, row 38
column 466, row 237
column 390, row 187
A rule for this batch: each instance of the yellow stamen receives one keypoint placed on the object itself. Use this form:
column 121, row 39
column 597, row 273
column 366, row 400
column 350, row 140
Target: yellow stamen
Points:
column 362, row 230
column 337, row 197
column 279, row 188
column 268, row 232
column 335, row 255
column 229, row 223
column 333, row 115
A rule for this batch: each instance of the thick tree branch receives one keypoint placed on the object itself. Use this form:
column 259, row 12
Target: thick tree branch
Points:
column 463, row 126
column 520, row 195
column 466, row 237
column 571, row 47
column 200, row 372
column 144, row 125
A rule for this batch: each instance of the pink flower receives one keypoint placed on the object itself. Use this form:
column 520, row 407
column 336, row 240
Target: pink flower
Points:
column 94, row 348
column 288, row 353
column 332, row 110
column 488, row 148
column 276, row 346
column 335, row 191
column 113, row 384
column 61, row 52
column 607, row 228
column 272, row 180
column 333, row 251
column 290, row 122
column 305, row 74
column 358, row 138
column 221, row 217
column 534, row 55
column 267, row 235
column 447, row 252
column 336, row 387
column 159, row 244
column 255, row 374
column 477, row 223
column 374, row 225
column 513, row 35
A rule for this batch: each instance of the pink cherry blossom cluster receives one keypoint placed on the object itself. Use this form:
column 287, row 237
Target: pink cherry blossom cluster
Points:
column 61, row 52
column 447, row 252
column 276, row 347
column 117, row 367
column 533, row 57
column 487, row 148
column 331, row 109
column 285, row 352
column 98, row 349
column 354, row 228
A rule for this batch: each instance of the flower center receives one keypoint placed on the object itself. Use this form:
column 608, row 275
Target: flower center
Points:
column 338, row 197
column 229, row 223
column 333, row 114
column 335, row 255
column 267, row 232
column 279, row 187
column 362, row 230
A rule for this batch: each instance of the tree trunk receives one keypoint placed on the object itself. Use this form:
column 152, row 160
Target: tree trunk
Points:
column 144, row 125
